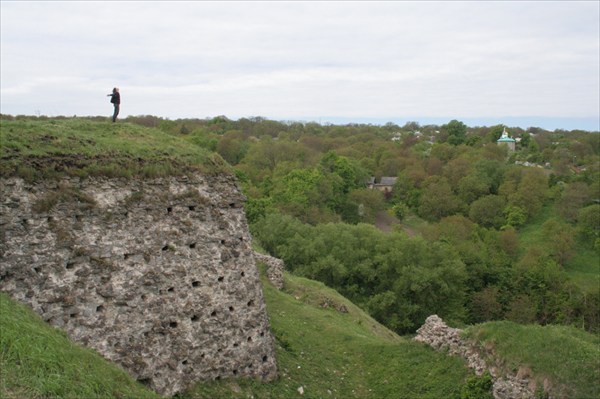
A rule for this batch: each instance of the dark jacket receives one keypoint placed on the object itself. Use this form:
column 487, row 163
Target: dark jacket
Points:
column 115, row 98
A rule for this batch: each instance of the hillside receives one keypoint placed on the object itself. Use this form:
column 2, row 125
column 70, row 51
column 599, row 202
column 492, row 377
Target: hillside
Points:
column 324, row 351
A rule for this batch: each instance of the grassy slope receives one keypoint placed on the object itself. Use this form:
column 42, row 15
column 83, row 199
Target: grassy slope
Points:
column 38, row 361
column 33, row 148
column 329, row 353
column 568, row 357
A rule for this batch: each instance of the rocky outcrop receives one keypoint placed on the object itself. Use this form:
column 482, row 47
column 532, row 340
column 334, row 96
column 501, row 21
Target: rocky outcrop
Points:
column 274, row 268
column 156, row 275
column 439, row 336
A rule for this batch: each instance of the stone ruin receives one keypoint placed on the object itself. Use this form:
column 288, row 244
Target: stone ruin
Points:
column 157, row 275
column 440, row 337
column 275, row 268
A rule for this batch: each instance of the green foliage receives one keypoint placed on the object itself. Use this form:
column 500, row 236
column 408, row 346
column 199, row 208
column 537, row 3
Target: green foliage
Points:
column 456, row 132
column 488, row 211
column 478, row 387
column 561, row 239
column 515, row 216
column 437, row 200
column 588, row 224
column 400, row 211
column 400, row 280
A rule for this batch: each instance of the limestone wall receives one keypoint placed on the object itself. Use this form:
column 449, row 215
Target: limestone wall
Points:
column 156, row 275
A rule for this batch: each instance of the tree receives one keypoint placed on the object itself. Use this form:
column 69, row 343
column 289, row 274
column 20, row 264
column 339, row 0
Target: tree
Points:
column 369, row 202
column 560, row 238
column 588, row 224
column 471, row 187
column 515, row 216
column 437, row 200
column 529, row 190
column 488, row 211
column 400, row 210
column 231, row 148
column 456, row 132
column 485, row 305
column 575, row 196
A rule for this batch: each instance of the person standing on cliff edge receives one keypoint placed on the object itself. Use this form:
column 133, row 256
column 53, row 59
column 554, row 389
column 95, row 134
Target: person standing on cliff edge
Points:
column 116, row 101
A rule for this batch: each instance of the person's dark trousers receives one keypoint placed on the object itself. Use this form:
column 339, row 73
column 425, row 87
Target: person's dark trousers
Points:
column 116, row 112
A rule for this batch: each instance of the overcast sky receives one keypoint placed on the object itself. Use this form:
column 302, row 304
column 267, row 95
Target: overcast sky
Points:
column 322, row 61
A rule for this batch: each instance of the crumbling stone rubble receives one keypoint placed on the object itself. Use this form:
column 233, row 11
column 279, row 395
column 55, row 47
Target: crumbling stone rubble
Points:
column 441, row 337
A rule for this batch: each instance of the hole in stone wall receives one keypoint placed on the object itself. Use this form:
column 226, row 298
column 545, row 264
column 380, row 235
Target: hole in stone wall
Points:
column 213, row 313
column 70, row 265
column 50, row 219
column 126, row 214
column 262, row 334
column 250, row 303
column 193, row 245
column 36, row 269
column 231, row 308
column 217, row 378
column 72, row 315
column 192, row 208
column 144, row 381
column 235, row 345
column 169, row 209
column 127, row 256
column 222, row 241
column 78, row 217
column 265, row 358
column 232, row 204
column 235, row 372
column 143, row 297
column 195, row 318
column 195, row 283
column 171, row 289
column 220, row 278
column 202, row 356
column 243, row 274
column 173, row 324
column 184, row 362
column 165, row 247
column 249, row 339
column 99, row 308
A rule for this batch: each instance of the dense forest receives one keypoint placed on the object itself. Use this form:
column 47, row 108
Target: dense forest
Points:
column 480, row 232
column 493, row 231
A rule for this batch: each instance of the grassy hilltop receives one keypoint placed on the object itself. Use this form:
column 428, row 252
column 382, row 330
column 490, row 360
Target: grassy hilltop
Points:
column 46, row 148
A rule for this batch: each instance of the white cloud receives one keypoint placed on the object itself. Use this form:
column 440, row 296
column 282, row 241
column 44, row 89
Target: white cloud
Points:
column 299, row 59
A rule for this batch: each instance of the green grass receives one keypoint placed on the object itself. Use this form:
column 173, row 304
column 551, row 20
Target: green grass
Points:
column 583, row 268
column 324, row 344
column 333, row 354
column 38, row 361
column 44, row 148
column 568, row 357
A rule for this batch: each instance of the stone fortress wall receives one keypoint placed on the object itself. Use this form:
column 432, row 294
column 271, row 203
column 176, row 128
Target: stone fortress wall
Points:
column 157, row 275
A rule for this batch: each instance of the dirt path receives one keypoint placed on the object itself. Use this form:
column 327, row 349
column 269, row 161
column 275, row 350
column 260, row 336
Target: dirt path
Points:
column 386, row 222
